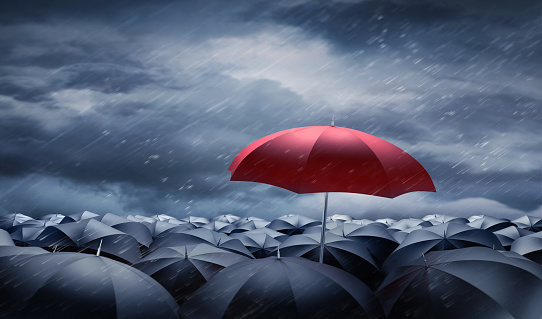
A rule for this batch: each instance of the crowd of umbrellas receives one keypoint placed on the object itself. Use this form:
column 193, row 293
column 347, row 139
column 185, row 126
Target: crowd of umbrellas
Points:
column 109, row 266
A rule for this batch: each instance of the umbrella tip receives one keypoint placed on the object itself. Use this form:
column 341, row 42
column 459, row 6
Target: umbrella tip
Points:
column 278, row 251
column 333, row 120
column 425, row 260
column 99, row 248
column 185, row 253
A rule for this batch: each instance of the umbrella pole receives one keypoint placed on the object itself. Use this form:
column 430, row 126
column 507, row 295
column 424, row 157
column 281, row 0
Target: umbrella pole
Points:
column 323, row 237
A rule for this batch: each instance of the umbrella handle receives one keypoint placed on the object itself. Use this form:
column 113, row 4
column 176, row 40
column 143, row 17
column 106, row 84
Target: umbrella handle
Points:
column 323, row 236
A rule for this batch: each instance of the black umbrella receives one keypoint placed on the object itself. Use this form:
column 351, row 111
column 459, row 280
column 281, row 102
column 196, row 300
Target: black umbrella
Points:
column 441, row 237
column 5, row 239
column 260, row 245
column 220, row 227
column 509, row 234
column 182, row 270
column 529, row 246
column 10, row 220
column 89, row 234
column 174, row 238
column 137, row 230
column 339, row 252
column 292, row 224
column 490, row 223
column 531, row 223
column 286, row 287
column 73, row 285
column 374, row 237
column 472, row 282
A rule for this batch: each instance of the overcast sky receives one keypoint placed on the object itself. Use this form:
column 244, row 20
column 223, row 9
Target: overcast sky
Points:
column 139, row 107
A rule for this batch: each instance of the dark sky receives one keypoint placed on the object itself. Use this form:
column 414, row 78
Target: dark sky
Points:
column 139, row 107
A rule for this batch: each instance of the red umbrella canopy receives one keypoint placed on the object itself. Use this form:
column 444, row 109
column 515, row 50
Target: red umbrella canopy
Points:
column 318, row 159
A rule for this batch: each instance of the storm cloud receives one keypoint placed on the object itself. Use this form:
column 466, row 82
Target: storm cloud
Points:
column 139, row 108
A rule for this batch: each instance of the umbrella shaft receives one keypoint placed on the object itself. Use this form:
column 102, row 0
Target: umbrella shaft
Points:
column 323, row 237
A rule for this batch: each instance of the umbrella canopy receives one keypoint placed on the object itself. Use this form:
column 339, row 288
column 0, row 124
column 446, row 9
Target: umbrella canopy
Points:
column 73, row 285
column 375, row 238
column 84, row 215
column 490, row 223
column 249, row 225
column 137, row 230
column 219, row 226
column 261, row 245
column 318, row 159
column 509, row 234
column 9, row 220
column 339, row 252
column 531, row 223
column 292, row 224
column 285, row 287
column 196, row 221
column 24, row 234
column 5, row 239
column 200, row 236
column 529, row 246
column 464, row 283
column 326, row 159
column 89, row 233
column 441, row 237
column 226, row 218
column 184, row 269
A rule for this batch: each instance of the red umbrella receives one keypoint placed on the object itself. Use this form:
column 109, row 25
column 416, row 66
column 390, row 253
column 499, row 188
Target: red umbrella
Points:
column 326, row 159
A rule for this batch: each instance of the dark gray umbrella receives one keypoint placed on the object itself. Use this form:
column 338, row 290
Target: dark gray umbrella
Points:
column 199, row 236
column 407, row 223
column 84, row 215
column 509, row 234
column 527, row 222
column 137, row 230
column 226, row 218
column 529, row 246
column 88, row 234
column 220, row 227
column 286, row 287
column 260, row 245
column 472, row 282
column 10, row 254
column 5, row 239
column 490, row 223
column 182, row 270
column 441, row 237
column 24, row 234
column 374, row 237
column 249, row 225
column 339, row 252
column 292, row 224
column 73, row 285
column 9, row 220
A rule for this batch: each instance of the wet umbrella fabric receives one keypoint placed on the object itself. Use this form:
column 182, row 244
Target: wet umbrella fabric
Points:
column 375, row 238
column 319, row 159
column 260, row 245
column 184, row 269
column 200, row 236
column 5, row 239
column 339, row 252
column 529, row 246
column 286, row 287
column 464, row 283
column 88, row 233
column 441, row 237
column 326, row 159
column 73, row 285
column 292, row 224
column 137, row 230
